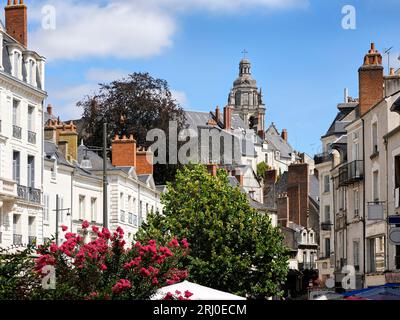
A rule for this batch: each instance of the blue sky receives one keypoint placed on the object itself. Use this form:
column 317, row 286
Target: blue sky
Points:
column 301, row 56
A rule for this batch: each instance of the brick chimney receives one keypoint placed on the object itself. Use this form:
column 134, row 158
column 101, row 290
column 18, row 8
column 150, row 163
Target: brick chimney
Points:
column 227, row 118
column 212, row 169
column 16, row 13
column 271, row 176
column 123, row 151
column 217, row 114
column 239, row 176
column 298, row 191
column 68, row 134
column 392, row 83
column 144, row 161
column 261, row 134
column 284, row 135
column 370, row 80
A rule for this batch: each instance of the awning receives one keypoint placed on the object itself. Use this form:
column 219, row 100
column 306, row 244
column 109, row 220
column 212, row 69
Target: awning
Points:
column 199, row 292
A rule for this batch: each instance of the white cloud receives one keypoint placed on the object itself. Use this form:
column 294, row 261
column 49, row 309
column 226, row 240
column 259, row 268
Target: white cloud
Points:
column 83, row 29
column 123, row 29
column 180, row 97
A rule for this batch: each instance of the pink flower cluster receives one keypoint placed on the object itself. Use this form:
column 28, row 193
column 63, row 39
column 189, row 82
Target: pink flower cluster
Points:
column 178, row 296
column 121, row 285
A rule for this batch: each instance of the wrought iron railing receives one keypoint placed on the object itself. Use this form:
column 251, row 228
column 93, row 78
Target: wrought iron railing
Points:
column 31, row 240
column 31, row 137
column 17, row 132
column 323, row 157
column 326, row 226
column 17, row 239
column 350, row 173
column 29, row 194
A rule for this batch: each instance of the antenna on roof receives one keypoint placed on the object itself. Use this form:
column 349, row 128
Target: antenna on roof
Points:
column 387, row 51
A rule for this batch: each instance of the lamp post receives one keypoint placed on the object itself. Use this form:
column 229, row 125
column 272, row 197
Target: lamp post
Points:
column 104, row 150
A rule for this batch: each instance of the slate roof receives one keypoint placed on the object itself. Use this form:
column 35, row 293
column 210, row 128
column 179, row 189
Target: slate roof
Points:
column 50, row 150
column 314, row 188
column 197, row 119
column 96, row 160
column 338, row 125
column 276, row 142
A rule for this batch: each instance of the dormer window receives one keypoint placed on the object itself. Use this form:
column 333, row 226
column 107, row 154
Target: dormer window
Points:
column 31, row 72
column 17, row 64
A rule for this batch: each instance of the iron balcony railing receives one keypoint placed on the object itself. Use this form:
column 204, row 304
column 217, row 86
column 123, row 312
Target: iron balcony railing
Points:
column 326, row 226
column 31, row 240
column 29, row 194
column 31, row 137
column 351, row 173
column 17, row 239
column 17, row 132
column 323, row 157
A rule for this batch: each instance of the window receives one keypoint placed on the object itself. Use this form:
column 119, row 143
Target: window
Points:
column 397, row 180
column 15, row 115
column 327, row 184
column 327, row 247
column 311, row 237
column 93, row 209
column 17, row 64
column 16, row 166
column 130, row 218
column 327, row 214
column 342, row 199
column 375, row 179
column 375, row 138
column 46, row 215
column 304, row 237
column 31, row 172
column 30, row 118
column 54, row 170
column 32, row 73
column 356, row 199
column 356, row 255
column 376, row 247
column 140, row 213
column 81, row 207
column 397, row 257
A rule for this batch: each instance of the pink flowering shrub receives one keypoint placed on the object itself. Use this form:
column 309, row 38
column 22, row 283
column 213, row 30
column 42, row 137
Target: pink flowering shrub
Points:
column 106, row 269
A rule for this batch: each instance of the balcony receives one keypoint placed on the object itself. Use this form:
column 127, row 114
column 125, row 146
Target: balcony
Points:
column 326, row 226
column 17, row 239
column 323, row 157
column 31, row 137
column 29, row 194
column 32, row 240
column 17, row 132
column 351, row 173
column 8, row 188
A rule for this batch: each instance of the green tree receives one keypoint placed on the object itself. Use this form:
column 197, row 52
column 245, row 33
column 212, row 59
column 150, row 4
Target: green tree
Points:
column 232, row 247
column 132, row 105
column 262, row 168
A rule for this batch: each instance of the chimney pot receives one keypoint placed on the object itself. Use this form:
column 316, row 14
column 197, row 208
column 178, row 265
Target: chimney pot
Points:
column 50, row 109
column 227, row 118
column 284, row 135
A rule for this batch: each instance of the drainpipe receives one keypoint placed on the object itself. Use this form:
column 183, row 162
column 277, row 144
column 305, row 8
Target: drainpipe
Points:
column 365, row 210
column 387, row 206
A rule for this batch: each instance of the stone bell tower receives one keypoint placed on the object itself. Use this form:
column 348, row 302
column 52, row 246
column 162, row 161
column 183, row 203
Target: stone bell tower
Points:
column 246, row 99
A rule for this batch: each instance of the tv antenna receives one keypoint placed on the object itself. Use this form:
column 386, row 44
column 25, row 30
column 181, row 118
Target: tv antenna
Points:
column 387, row 52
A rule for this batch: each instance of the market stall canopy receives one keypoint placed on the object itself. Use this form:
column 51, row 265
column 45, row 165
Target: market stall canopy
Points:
column 386, row 292
column 199, row 292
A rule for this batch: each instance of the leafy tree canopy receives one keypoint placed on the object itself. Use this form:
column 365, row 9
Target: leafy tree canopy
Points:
column 233, row 247
column 133, row 105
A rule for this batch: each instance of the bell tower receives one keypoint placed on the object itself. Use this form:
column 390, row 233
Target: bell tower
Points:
column 245, row 99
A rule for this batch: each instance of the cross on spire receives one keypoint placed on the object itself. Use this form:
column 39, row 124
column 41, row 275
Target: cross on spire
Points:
column 244, row 53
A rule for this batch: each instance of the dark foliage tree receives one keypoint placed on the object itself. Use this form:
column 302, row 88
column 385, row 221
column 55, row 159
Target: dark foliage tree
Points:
column 133, row 105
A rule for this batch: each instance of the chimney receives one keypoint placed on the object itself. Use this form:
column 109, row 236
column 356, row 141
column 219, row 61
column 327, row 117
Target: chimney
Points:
column 370, row 80
column 298, row 193
column 284, row 135
column 144, row 161
column 212, row 169
column 217, row 114
column 261, row 134
column 239, row 177
column 50, row 109
column 123, row 151
column 270, row 177
column 227, row 118
column 68, row 134
column 346, row 95
column 17, row 21
column 392, row 83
